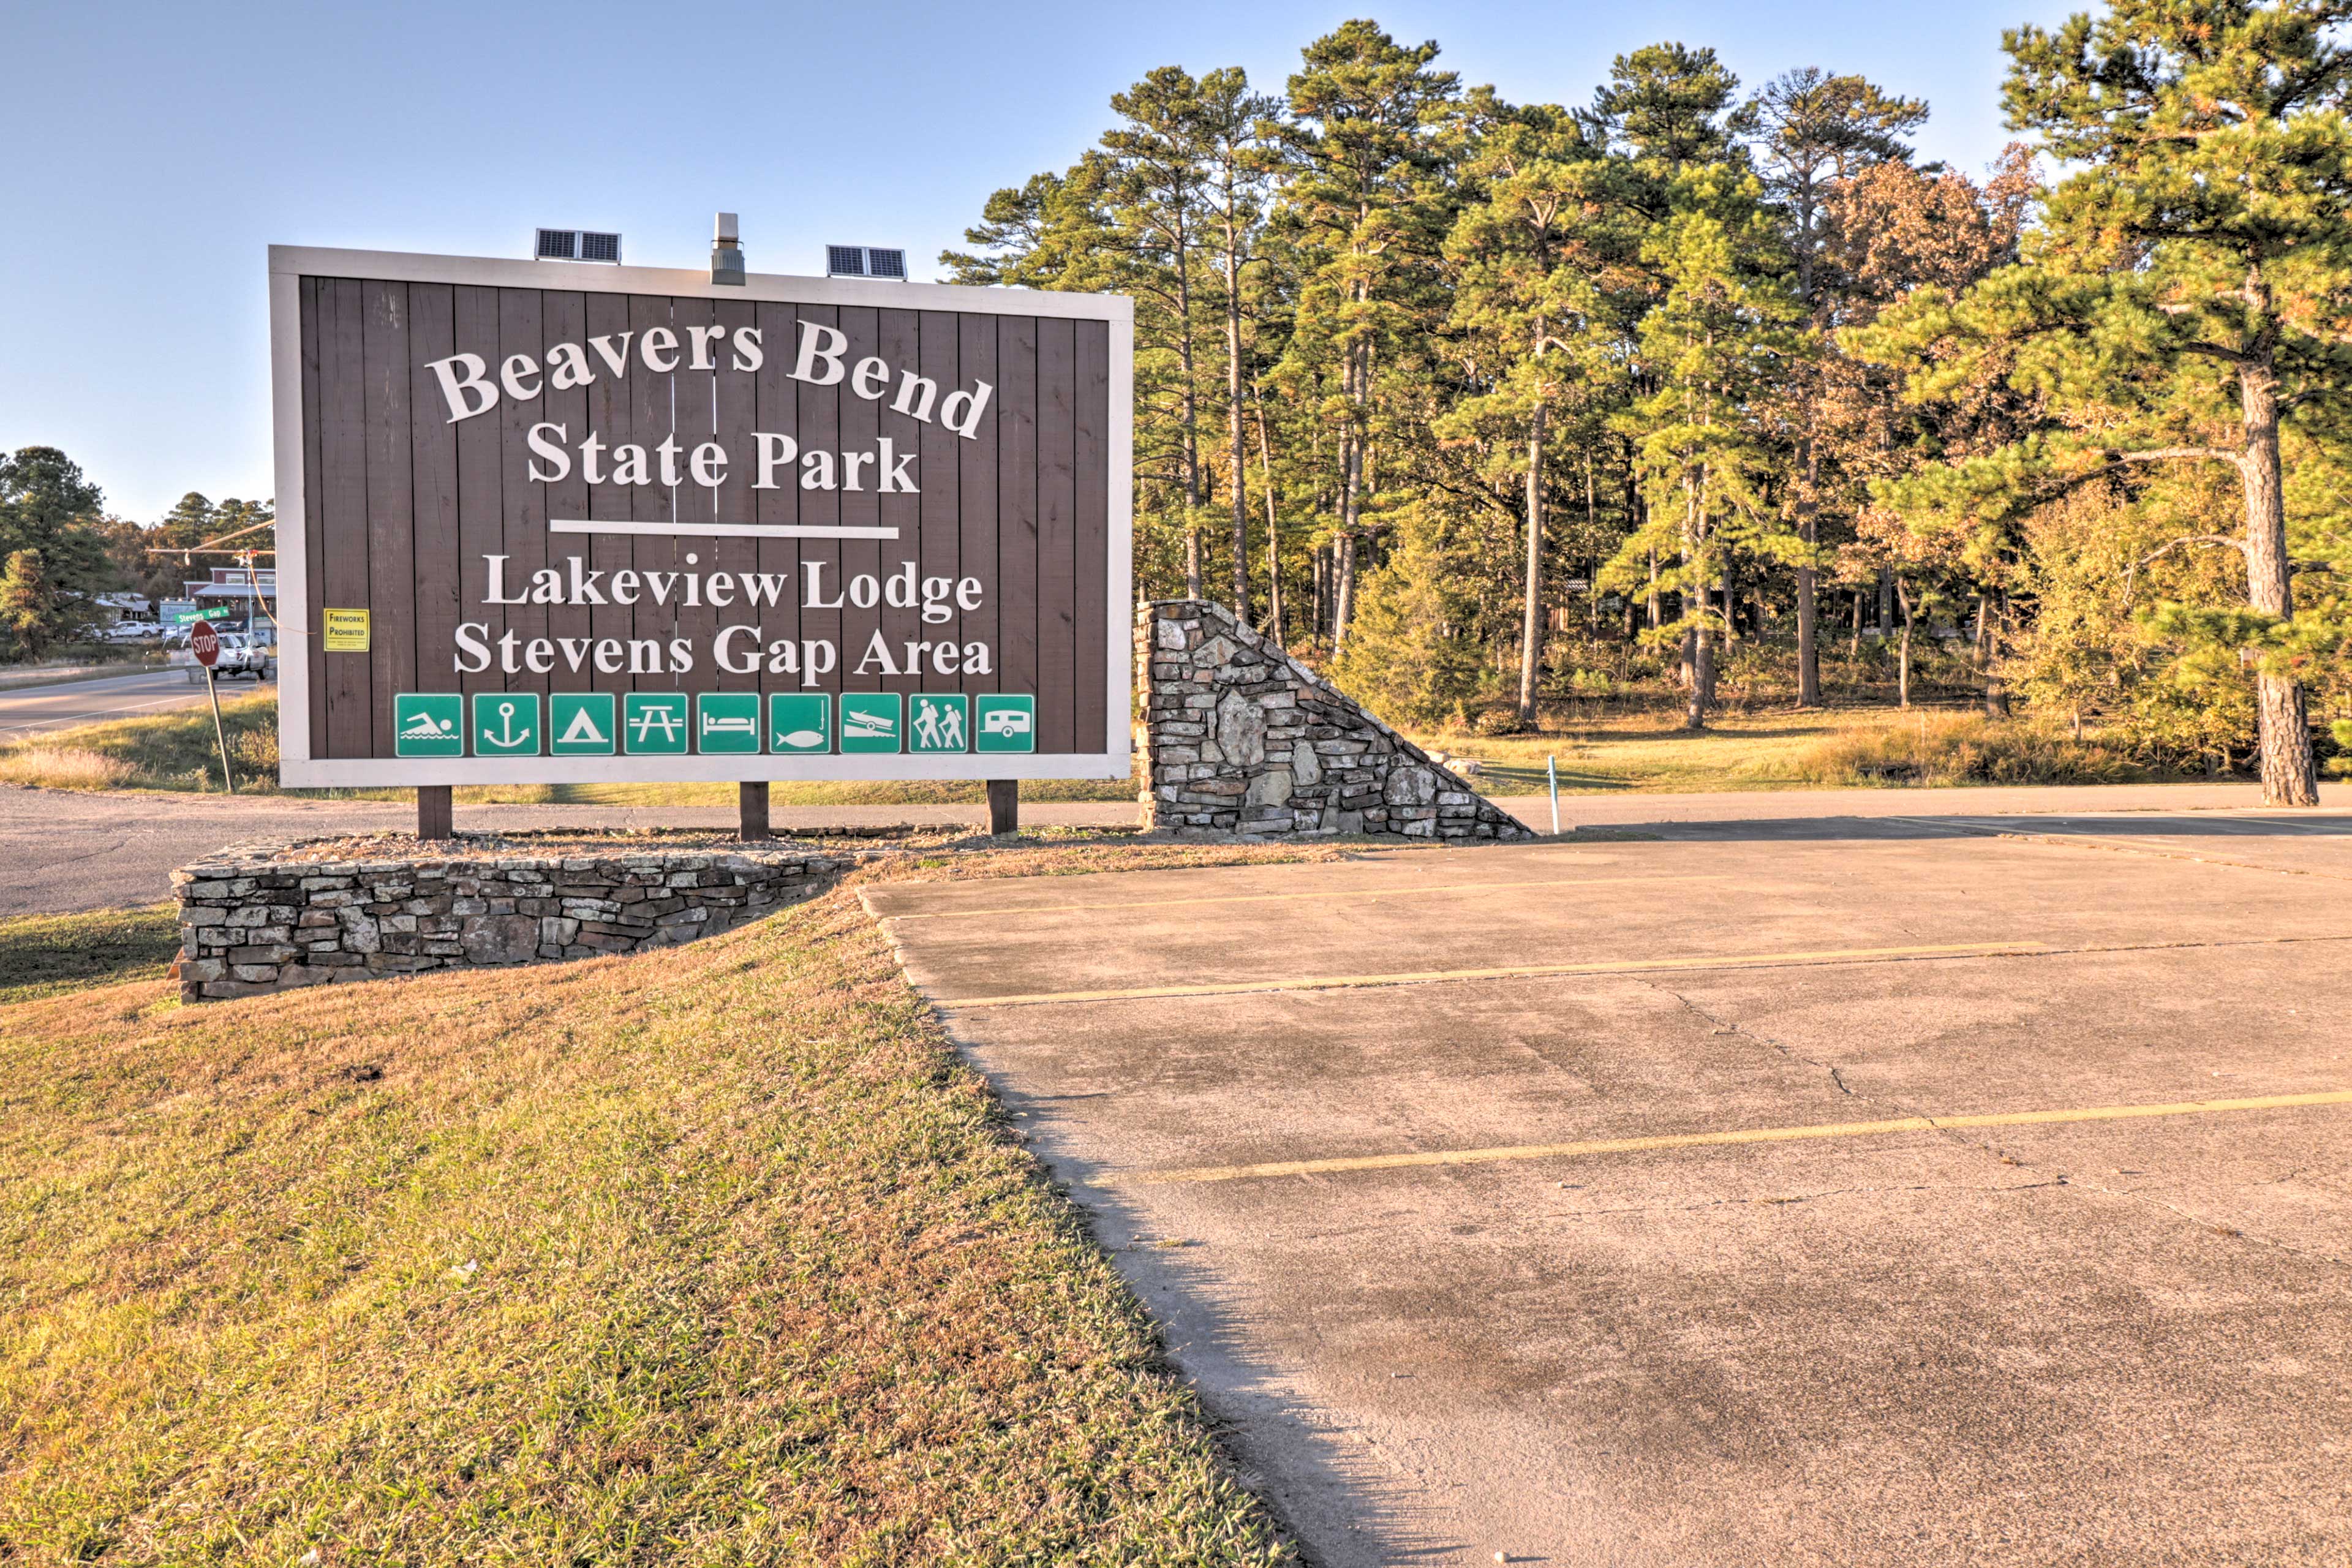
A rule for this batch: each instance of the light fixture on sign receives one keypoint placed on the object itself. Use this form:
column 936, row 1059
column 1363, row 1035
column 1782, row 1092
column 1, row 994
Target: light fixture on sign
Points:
column 865, row 261
column 726, row 251
column 577, row 245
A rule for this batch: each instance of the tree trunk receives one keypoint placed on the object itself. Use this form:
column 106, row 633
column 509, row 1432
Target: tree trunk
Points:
column 1809, row 654
column 2290, row 772
column 1189, row 429
column 1854, row 647
column 1655, row 619
column 1903, row 665
column 1701, row 685
column 1236, row 452
column 1273, row 534
column 1531, row 608
column 1886, row 599
column 1343, row 599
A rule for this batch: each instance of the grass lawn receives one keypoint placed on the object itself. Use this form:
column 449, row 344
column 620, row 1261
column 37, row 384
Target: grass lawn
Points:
column 714, row 1256
column 1784, row 749
column 43, row 955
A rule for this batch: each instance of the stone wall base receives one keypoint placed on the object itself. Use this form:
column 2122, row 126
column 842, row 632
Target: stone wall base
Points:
column 251, row 922
column 1245, row 739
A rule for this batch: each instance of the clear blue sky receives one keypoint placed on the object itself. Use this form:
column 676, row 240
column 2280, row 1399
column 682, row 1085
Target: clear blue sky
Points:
column 150, row 152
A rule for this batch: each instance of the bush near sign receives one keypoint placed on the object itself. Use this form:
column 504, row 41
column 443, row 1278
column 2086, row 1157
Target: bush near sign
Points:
column 802, row 528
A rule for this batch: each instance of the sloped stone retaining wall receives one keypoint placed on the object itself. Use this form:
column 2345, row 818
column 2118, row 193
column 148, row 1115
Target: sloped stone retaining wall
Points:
column 253, row 922
column 1244, row 739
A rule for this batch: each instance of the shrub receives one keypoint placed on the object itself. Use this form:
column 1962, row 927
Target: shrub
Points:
column 1957, row 749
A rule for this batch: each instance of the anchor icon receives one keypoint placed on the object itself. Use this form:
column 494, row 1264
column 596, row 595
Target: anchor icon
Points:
column 506, row 739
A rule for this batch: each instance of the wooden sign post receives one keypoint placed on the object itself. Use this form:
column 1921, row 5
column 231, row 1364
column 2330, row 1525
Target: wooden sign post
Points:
column 610, row 524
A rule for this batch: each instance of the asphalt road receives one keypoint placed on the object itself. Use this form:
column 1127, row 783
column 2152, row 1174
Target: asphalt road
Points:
column 30, row 710
column 63, row 850
column 1916, row 1190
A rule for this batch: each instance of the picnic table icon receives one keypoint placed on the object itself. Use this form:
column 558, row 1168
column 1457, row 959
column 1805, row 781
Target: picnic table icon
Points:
column 646, row 720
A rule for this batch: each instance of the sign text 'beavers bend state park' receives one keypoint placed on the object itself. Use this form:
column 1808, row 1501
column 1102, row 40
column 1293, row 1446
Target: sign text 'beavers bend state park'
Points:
column 619, row 523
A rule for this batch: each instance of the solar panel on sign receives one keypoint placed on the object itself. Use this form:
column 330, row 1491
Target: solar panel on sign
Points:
column 596, row 247
column 887, row 263
column 555, row 244
column 845, row 261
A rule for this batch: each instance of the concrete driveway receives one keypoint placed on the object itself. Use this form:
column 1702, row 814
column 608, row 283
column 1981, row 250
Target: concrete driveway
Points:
column 1908, row 1191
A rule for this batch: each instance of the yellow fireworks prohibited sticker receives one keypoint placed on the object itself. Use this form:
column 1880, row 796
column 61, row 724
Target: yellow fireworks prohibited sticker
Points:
column 346, row 630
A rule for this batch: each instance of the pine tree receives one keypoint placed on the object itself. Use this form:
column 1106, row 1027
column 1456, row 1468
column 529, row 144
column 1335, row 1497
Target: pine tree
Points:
column 1367, row 189
column 2178, row 302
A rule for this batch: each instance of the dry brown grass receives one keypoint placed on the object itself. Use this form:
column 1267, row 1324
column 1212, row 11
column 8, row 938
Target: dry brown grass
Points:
column 712, row 1255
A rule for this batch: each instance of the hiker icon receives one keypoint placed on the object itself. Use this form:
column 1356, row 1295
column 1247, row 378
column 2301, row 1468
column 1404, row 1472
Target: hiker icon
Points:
column 938, row 723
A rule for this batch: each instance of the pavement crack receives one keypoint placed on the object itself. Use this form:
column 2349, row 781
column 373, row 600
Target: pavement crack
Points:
column 2205, row 1222
column 1722, row 1026
column 1791, row 1199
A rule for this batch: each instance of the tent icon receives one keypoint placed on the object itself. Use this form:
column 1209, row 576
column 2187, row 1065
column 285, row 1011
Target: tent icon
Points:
column 583, row 731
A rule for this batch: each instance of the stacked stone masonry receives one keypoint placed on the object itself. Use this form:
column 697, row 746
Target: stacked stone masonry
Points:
column 252, row 923
column 1244, row 738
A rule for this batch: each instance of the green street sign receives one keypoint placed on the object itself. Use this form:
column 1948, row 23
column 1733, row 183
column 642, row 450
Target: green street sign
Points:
column 939, row 722
column 869, row 721
column 727, row 724
column 800, row 722
column 424, row 724
column 505, row 723
column 653, row 724
column 1004, row 723
column 581, row 724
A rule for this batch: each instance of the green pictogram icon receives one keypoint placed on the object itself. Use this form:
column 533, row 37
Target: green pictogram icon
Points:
column 653, row 724
column 1004, row 723
column 727, row 722
column 800, row 722
column 869, row 720
column 505, row 723
column 581, row 724
column 937, row 723
column 424, row 724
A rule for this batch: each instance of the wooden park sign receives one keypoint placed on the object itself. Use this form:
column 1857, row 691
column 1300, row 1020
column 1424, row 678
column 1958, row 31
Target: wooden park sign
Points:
column 539, row 522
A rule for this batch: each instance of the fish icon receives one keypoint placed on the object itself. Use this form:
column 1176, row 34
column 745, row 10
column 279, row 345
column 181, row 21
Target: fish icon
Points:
column 802, row 738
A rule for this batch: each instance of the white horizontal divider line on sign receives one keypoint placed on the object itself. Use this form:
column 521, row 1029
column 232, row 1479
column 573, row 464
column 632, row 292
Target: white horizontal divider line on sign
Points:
column 719, row 530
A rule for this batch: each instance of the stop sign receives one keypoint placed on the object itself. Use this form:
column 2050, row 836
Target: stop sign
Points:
column 204, row 643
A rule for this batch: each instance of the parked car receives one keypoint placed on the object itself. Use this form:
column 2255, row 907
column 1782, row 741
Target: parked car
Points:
column 241, row 652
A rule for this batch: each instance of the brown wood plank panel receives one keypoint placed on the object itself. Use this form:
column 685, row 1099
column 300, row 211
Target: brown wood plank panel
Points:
column 976, row 492
column 611, row 409
column 391, row 659
column 1057, row 540
column 474, row 318
column 563, row 319
column 860, row 430
column 738, row 411
column 901, row 347
column 1093, row 470
column 1016, row 490
column 433, row 470
column 779, row 414
column 940, row 474
column 523, row 502
column 314, row 536
column 342, row 460
column 819, row 561
column 653, row 419
column 693, row 406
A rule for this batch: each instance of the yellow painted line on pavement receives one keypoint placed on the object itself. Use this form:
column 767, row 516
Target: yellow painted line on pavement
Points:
column 1710, row 1140
column 1514, row 972
column 1324, row 895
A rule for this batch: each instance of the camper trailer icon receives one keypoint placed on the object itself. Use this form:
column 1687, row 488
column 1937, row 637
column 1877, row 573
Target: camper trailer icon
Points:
column 1007, row 722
